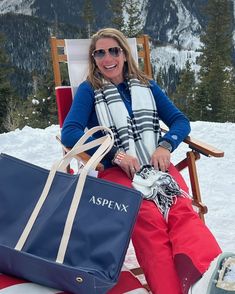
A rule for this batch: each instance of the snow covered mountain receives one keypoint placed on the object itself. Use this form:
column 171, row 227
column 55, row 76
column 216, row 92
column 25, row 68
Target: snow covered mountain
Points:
column 16, row 6
column 173, row 25
column 170, row 21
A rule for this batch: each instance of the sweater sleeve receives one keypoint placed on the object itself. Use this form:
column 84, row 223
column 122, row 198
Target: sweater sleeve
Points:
column 81, row 116
column 176, row 121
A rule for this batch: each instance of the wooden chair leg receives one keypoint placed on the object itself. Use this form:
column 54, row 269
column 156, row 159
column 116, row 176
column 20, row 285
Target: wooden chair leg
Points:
column 192, row 156
column 137, row 272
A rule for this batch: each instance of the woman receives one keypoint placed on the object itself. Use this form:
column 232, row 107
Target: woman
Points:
column 178, row 253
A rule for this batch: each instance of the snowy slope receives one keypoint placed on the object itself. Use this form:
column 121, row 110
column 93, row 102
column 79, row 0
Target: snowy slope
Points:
column 216, row 175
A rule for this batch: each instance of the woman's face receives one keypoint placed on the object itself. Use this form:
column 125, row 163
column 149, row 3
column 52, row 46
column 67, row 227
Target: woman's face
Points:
column 110, row 59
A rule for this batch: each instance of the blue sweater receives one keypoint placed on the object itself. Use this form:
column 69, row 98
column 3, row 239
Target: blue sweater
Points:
column 82, row 114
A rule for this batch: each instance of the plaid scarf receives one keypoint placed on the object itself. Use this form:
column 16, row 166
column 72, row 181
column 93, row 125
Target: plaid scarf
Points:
column 138, row 135
column 158, row 186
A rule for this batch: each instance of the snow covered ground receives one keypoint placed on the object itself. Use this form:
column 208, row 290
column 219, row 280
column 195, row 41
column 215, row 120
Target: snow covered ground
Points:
column 216, row 175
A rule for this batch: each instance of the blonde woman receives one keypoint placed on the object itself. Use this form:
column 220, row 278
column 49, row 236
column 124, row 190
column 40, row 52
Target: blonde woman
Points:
column 177, row 252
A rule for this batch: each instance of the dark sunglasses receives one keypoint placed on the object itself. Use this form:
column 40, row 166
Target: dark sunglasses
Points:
column 113, row 51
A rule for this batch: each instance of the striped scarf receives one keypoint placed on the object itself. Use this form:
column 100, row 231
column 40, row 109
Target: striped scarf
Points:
column 138, row 135
column 158, row 186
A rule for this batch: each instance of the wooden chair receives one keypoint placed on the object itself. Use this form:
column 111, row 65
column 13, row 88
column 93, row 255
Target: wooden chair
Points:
column 64, row 101
column 196, row 147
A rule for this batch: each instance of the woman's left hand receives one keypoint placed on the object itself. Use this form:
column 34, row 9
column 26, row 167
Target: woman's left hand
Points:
column 161, row 159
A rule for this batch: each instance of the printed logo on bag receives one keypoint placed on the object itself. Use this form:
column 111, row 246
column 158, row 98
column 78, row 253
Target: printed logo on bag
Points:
column 109, row 204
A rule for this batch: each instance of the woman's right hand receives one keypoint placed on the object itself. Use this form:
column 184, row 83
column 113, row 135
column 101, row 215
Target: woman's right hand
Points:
column 129, row 164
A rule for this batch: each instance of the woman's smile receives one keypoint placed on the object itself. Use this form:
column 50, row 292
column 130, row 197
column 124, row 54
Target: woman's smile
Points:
column 110, row 65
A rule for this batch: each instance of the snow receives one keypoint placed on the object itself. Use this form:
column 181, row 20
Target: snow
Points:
column 187, row 24
column 217, row 181
column 185, row 34
column 142, row 6
column 16, row 6
column 216, row 175
column 165, row 56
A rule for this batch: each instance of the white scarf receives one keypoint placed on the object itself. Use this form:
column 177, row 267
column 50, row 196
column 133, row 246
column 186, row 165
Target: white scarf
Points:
column 138, row 135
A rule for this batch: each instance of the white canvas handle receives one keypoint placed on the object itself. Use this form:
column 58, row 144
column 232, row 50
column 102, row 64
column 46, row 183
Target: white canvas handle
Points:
column 106, row 143
column 81, row 146
column 92, row 162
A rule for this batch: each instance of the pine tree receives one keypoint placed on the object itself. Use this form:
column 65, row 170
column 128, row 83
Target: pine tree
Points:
column 14, row 114
column 117, row 9
column 185, row 91
column 228, row 107
column 160, row 78
column 214, row 88
column 133, row 26
column 89, row 18
column 39, row 109
column 9, row 101
column 5, row 86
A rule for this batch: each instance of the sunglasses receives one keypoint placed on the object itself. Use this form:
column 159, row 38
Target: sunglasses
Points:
column 113, row 51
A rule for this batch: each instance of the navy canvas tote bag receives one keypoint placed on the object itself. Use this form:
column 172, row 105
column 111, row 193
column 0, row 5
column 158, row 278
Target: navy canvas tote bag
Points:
column 69, row 232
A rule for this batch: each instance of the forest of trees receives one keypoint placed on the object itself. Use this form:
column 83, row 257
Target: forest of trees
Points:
column 212, row 97
column 208, row 95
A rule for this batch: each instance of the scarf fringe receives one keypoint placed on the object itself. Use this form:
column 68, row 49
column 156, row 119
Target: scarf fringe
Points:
column 159, row 187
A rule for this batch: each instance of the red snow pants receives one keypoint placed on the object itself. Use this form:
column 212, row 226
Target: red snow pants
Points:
column 175, row 253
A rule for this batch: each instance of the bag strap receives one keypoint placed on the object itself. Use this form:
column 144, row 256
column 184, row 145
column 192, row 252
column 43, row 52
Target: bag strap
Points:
column 106, row 143
column 92, row 162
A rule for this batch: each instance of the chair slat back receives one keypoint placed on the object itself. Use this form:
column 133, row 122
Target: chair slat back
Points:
column 59, row 54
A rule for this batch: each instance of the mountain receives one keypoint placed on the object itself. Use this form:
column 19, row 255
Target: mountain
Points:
column 173, row 25
column 165, row 20
column 27, row 44
column 175, row 22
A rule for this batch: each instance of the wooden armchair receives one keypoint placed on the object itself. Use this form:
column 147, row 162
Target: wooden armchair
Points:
column 64, row 98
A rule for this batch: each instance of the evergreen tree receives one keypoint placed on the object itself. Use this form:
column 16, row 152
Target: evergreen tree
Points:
column 9, row 102
column 185, row 91
column 89, row 18
column 133, row 26
column 14, row 113
column 5, row 86
column 214, row 89
column 39, row 109
column 117, row 8
column 228, row 107
column 160, row 78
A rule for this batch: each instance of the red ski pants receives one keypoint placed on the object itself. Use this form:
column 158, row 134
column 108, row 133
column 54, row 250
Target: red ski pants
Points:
column 173, row 254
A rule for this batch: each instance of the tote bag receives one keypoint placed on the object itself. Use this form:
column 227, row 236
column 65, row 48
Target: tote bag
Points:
column 69, row 232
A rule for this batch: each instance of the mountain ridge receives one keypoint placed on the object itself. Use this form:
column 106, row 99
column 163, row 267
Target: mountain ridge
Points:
column 28, row 24
column 163, row 19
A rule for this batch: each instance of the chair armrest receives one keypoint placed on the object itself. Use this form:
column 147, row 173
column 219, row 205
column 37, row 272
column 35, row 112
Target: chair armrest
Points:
column 201, row 147
column 82, row 157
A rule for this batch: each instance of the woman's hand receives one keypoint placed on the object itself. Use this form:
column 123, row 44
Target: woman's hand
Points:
column 161, row 159
column 129, row 164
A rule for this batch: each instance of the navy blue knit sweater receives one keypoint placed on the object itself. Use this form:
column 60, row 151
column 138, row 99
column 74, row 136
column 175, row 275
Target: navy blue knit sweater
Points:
column 82, row 114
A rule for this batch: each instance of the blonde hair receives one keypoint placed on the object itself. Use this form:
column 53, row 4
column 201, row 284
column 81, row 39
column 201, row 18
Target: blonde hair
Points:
column 130, row 69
